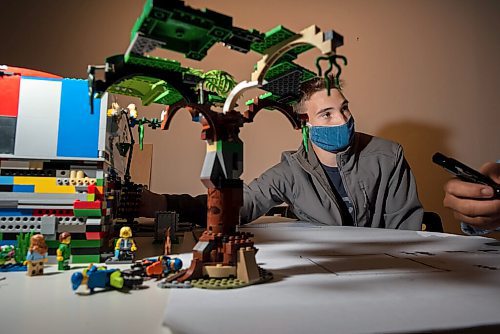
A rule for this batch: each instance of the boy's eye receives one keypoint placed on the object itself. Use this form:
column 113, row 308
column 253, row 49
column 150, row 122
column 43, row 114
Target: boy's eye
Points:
column 326, row 115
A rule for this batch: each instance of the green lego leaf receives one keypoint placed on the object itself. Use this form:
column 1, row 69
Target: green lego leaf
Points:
column 219, row 82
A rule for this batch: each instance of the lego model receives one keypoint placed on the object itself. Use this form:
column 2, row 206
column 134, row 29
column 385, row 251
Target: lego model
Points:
column 64, row 251
column 125, row 247
column 37, row 255
column 62, row 167
column 222, row 257
column 101, row 277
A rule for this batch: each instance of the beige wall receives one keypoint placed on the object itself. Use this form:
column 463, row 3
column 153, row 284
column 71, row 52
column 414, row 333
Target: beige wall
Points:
column 423, row 73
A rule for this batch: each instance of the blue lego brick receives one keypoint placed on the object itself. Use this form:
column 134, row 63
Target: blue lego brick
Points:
column 8, row 242
column 6, row 180
column 78, row 129
column 23, row 188
column 15, row 212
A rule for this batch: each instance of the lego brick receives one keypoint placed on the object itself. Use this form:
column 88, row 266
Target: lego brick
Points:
column 63, row 173
column 6, row 180
column 87, row 212
column 44, row 184
column 86, row 259
column 35, row 164
column 9, row 95
column 87, row 205
column 101, row 143
column 40, row 197
column 48, row 225
column 99, row 182
column 6, row 188
column 15, row 212
column 85, row 250
column 27, row 172
column 71, row 227
column 91, row 197
column 8, row 134
column 20, row 224
column 78, row 132
column 38, row 118
column 93, row 236
column 15, row 164
column 78, row 243
column 50, row 206
column 27, row 188
column 87, row 243
column 8, row 204
column 94, row 221
column 53, row 212
column 98, row 228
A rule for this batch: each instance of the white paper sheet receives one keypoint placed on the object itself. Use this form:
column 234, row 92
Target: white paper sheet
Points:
column 352, row 280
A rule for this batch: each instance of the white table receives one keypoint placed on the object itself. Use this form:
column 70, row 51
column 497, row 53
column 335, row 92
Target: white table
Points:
column 327, row 280
column 353, row 280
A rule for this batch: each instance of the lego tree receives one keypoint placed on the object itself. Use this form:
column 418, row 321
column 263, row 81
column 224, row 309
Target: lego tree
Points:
column 221, row 252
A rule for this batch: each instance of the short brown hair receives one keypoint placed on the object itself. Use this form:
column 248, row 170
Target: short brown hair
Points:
column 63, row 236
column 308, row 88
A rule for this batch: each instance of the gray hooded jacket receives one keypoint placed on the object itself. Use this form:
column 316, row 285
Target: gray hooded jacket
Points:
column 375, row 174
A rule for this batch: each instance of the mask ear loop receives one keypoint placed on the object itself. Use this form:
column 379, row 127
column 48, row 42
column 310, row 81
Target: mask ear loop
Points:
column 305, row 136
column 305, row 131
column 332, row 61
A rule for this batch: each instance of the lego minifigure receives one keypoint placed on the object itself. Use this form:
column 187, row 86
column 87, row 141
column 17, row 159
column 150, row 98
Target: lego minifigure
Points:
column 101, row 277
column 125, row 246
column 64, row 251
column 37, row 255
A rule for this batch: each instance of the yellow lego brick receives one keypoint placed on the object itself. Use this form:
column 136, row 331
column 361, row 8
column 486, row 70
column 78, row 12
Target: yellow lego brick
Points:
column 46, row 185
column 90, row 197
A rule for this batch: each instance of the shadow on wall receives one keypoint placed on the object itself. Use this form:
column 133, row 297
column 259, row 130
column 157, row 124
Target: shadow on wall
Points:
column 420, row 141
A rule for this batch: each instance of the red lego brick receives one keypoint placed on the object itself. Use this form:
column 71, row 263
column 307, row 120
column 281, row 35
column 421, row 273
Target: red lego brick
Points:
column 9, row 95
column 52, row 212
column 95, row 235
column 87, row 205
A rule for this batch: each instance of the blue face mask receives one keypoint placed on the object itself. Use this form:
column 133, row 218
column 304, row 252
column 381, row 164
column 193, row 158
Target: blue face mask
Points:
column 333, row 138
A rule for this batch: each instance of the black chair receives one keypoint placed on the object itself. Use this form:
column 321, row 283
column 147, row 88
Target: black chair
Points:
column 432, row 222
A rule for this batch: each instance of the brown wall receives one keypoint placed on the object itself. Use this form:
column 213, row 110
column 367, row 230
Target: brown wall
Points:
column 424, row 73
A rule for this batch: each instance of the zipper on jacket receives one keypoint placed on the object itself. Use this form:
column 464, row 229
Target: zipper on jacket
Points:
column 342, row 176
column 367, row 202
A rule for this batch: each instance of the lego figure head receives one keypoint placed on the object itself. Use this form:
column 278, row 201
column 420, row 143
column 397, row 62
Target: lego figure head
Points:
column 331, row 125
column 65, row 238
column 125, row 232
column 38, row 245
column 133, row 111
column 173, row 264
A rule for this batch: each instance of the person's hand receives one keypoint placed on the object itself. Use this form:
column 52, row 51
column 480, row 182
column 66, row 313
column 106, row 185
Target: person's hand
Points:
column 473, row 203
column 150, row 203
